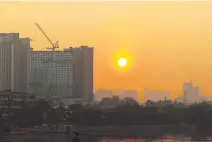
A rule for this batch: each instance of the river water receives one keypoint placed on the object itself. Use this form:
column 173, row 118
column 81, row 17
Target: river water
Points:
column 64, row 138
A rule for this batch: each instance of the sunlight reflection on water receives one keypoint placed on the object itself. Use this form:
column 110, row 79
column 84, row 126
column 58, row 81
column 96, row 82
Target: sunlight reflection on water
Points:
column 60, row 138
column 143, row 140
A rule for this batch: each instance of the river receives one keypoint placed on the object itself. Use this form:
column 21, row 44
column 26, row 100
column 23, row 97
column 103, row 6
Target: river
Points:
column 65, row 138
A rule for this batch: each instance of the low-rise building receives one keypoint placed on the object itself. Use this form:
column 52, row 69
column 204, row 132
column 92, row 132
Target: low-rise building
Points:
column 14, row 100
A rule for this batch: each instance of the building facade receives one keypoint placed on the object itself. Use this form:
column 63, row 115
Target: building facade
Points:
column 82, row 72
column 14, row 62
column 51, row 74
column 63, row 74
column 10, row 100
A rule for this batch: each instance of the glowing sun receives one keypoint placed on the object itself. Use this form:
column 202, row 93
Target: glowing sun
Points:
column 122, row 62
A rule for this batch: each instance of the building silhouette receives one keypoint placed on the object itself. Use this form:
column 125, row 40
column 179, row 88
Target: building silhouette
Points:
column 121, row 93
column 156, row 95
column 103, row 93
column 82, row 72
column 191, row 93
column 14, row 62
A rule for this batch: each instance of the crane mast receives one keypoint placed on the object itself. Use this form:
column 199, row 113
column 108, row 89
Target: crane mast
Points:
column 54, row 46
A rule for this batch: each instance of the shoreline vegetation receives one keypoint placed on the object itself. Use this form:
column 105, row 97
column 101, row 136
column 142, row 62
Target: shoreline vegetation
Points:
column 123, row 113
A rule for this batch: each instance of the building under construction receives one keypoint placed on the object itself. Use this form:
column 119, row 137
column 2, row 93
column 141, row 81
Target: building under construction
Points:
column 51, row 73
column 62, row 74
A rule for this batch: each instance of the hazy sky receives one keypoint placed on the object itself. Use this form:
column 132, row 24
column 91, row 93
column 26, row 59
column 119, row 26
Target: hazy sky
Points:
column 166, row 43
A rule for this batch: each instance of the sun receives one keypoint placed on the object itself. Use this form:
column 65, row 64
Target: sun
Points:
column 122, row 62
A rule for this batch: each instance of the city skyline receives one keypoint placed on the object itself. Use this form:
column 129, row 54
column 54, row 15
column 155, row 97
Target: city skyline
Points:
column 190, row 94
column 48, row 75
column 166, row 43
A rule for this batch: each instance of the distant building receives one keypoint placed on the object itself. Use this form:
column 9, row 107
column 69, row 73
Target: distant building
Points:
column 102, row 93
column 121, row 93
column 16, row 100
column 155, row 95
column 14, row 62
column 179, row 99
column 191, row 93
column 52, row 74
column 187, row 91
column 131, row 94
column 207, row 98
column 118, row 92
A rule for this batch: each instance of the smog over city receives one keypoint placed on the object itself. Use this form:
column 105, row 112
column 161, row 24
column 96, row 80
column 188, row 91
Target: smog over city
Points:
column 105, row 70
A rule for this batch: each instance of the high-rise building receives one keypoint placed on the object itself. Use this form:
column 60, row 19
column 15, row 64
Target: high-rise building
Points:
column 67, row 73
column 82, row 72
column 51, row 74
column 14, row 62
column 192, row 94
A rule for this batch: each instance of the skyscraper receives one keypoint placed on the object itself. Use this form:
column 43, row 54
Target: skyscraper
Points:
column 14, row 62
column 192, row 94
column 82, row 72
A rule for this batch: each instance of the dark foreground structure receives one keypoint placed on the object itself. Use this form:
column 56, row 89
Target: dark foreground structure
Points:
column 140, row 130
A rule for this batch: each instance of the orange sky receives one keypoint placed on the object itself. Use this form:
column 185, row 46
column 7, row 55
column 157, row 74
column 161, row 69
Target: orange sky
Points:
column 167, row 43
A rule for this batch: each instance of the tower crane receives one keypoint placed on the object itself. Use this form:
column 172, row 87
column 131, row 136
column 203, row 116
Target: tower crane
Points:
column 54, row 45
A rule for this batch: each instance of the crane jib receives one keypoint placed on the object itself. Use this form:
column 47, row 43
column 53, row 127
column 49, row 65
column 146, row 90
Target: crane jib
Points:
column 54, row 46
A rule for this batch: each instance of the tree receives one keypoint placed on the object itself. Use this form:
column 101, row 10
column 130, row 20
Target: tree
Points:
column 129, row 100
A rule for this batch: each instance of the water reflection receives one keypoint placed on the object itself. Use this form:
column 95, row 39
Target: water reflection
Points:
column 65, row 138
column 142, row 140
